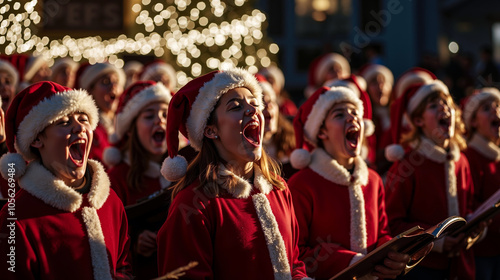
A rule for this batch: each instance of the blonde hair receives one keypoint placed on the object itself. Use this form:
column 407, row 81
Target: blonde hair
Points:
column 416, row 132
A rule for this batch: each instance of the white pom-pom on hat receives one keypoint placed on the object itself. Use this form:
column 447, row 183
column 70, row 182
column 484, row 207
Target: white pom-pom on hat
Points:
column 394, row 152
column 111, row 156
column 300, row 158
column 175, row 168
column 369, row 127
column 9, row 161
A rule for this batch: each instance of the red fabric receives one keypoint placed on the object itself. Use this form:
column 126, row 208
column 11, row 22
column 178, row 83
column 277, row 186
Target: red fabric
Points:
column 224, row 236
column 99, row 143
column 54, row 244
column 486, row 176
column 323, row 212
column 416, row 195
column 118, row 177
column 288, row 107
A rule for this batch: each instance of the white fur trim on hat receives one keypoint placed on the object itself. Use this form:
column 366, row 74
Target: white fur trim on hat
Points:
column 327, row 62
column 160, row 68
column 92, row 72
column 394, row 152
column 174, row 169
column 12, row 165
column 210, row 93
column 61, row 62
column 300, row 158
column 324, row 103
column 154, row 93
column 34, row 64
column 133, row 65
column 276, row 73
column 409, row 79
column 423, row 92
column 343, row 83
column 371, row 71
column 475, row 100
column 48, row 111
column 11, row 70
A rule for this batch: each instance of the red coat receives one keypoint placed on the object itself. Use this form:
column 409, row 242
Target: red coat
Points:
column 152, row 181
column 329, row 221
column 484, row 159
column 61, row 234
column 417, row 194
column 224, row 234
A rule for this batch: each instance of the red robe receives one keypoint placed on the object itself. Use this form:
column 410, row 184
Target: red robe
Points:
column 224, row 234
column 61, row 234
column 484, row 159
column 99, row 143
column 152, row 181
column 418, row 191
column 333, row 233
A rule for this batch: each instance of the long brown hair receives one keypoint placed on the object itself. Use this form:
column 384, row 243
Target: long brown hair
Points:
column 284, row 138
column 416, row 132
column 205, row 168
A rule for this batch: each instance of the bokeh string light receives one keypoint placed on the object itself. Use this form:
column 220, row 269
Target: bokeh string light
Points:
column 196, row 36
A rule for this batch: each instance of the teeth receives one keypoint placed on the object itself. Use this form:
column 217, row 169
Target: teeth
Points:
column 79, row 142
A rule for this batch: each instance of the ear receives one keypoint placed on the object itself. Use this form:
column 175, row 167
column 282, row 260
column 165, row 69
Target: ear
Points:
column 210, row 131
column 37, row 143
column 418, row 121
column 322, row 134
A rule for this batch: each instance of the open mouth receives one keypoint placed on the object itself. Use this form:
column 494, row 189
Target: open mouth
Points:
column 495, row 123
column 159, row 136
column 251, row 132
column 77, row 151
column 352, row 136
column 445, row 123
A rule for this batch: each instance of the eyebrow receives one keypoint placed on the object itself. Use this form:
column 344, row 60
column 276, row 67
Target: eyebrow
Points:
column 233, row 99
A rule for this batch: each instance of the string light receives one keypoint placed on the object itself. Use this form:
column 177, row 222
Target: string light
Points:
column 197, row 36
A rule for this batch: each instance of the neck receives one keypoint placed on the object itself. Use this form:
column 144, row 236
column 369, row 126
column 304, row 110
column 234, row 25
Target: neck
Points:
column 244, row 171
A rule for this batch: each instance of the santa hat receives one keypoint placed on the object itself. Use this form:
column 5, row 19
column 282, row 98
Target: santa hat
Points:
column 87, row 74
column 353, row 83
column 63, row 62
column 415, row 75
column 471, row 104
column 275, row 73
column 31, row 111
column 406, row 105
column 33, row 64
column 370, row 71
column 132, row 101
column 133, row 65
column 267, row 88
column 310, row 117
column 159, row 67
column 320, row 65
column 191, row 107
column 7, row 67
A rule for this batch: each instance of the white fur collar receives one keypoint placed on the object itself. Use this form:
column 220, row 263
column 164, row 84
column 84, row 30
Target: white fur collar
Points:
column 243, row 188
column 435, row 153
column 323, row 164
column 153, row 171
column 41, row 183
column 107, row 123
column 486, row 148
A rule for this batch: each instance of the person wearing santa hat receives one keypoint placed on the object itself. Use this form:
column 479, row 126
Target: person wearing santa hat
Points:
column 368, row 145
column 35, row 70
column 330, row 66
column 160, row 71
column 275, row 77
column 279, row 137
column 133, row 70
column 105, row 83
column 138, row 150
column 67, row 221
column 482, row 121
column 231, row 211
column 430, row 169
column 64, row 71
column 8, row 83
column 338, row 200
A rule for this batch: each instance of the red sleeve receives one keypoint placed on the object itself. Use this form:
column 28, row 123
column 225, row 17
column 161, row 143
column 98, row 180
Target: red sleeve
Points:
column 399, row 193
column 185, row 237
column 326, row 257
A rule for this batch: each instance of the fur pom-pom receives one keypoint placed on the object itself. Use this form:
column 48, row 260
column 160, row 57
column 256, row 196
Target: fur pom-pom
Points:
column 300, row 158
column 12, row 165
column 369, row 127
column 174, row 169
column 113, row 138
column 111, row 156
column 394, row 152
